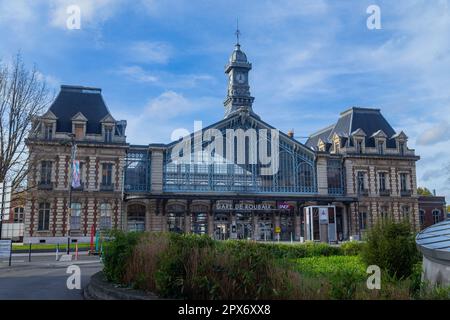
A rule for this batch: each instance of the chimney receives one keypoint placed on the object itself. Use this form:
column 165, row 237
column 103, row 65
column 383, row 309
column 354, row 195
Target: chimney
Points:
column 291, row 133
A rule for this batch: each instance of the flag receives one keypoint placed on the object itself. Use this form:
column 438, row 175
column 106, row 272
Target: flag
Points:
column 76, row 174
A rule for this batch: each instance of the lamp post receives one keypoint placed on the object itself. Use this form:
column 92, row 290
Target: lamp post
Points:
column 73, row 152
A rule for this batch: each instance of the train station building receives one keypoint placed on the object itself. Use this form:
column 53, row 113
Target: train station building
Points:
column 238, row 178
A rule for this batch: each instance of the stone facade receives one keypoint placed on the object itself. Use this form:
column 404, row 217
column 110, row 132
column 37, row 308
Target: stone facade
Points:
column 359, row 166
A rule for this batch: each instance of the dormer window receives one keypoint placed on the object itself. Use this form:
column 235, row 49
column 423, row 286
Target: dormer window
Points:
column 401, row 148
column 79, row 131
column 108, row 134
column 336, row 147
column 359, row 148
column 48, row 131
column 380, row 147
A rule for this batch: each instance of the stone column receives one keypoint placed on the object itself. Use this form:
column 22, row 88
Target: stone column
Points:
column 211, row 219
column 345, row 222
column 322, row 175
column 188, row 218
column 255, row 226
column 298, row 211
column 372, row 182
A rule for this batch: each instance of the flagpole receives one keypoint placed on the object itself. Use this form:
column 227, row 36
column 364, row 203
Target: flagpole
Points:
column 72, row 157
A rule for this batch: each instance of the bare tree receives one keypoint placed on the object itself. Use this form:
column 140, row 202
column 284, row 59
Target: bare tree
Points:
column 23, row 96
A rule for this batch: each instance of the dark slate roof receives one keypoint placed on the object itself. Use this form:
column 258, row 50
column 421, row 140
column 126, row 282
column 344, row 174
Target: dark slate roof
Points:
column 367, row 119
column 74, row 99
column 323, row 134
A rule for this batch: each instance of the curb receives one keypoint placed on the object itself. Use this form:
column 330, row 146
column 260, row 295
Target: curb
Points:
column 100, row 289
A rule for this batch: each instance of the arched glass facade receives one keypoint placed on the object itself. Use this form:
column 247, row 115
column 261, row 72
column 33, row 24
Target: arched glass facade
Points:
column 294, row 171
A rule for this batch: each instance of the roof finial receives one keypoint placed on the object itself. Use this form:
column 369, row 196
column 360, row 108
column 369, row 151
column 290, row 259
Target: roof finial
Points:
column 238, row 33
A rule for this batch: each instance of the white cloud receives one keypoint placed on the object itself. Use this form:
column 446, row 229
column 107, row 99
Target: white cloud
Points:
column 168, row 104
column 156, row 120
column 163, row 79
column 136, row 73
column 149, row 52
column 439, row 132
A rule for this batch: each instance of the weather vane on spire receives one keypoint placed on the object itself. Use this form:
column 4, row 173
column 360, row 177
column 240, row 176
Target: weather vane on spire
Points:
column 238, row 33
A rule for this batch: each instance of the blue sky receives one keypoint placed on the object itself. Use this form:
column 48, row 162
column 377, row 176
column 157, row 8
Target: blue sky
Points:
column 160, row 63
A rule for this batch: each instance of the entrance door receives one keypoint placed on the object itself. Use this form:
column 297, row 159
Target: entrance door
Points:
column 265, row 228
column 287, row 227
column 244, row 226
column 221, row 226
column 339, row 224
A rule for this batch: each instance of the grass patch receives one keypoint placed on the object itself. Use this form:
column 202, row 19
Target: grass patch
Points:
column 322, row 266
column 46, row 246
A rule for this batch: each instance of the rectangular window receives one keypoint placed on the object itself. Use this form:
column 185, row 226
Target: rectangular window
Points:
column 44, row 216
column 401, row 147
column 421, row 217
column 382, row 181
column 361, row 181
column 107, row 174
column 380, row 147
column 359, row 146
column 403, row 181
column 79, row 131
column 405, row 212
column 46, row 172
column 108, row 135
column 18, row 215
column 48, row 132
column 363, row 220
column 75, row 216
column 105, row 216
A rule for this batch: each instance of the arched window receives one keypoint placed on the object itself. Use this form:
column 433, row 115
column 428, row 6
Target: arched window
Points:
column 436, row 216
column 136, row 217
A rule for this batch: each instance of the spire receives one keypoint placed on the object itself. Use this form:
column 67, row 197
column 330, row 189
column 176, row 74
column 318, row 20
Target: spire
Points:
column 237, row 33
column 238, row 94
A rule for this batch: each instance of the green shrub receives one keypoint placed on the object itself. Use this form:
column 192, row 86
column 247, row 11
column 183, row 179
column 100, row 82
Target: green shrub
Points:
column 435, row 292
column 182, row 267
column 118, row 253
column 352, row 248
column 344, row 284
column 416, row 280
column 391, row 246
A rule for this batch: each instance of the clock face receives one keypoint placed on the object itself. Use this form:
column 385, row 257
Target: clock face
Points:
column 240, row 77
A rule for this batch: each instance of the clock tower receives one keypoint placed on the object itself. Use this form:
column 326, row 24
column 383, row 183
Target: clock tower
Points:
column 238, row 95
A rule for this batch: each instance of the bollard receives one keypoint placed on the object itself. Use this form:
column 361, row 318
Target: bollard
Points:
column 10, row 253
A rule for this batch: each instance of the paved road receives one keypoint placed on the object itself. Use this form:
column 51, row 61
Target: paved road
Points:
column 44, row 277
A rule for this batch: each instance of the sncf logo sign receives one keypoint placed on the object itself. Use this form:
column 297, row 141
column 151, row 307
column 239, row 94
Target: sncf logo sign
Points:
column 284, row 206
